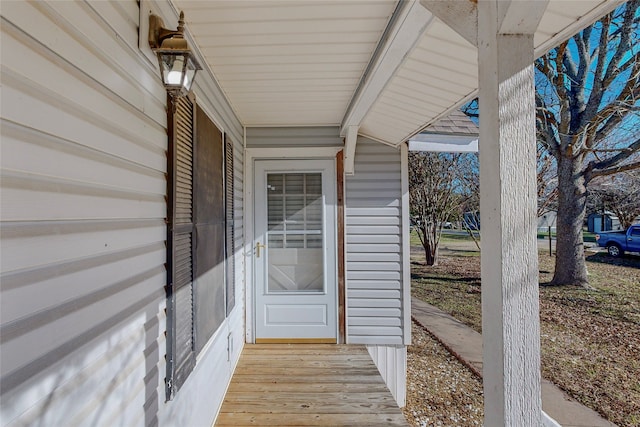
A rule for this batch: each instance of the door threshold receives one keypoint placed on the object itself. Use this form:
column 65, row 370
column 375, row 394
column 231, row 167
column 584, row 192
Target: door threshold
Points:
column 296, row 341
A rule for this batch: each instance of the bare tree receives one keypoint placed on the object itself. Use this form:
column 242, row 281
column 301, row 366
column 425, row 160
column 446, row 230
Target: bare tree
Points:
column 587, row 92
column 439, row 185
column 547, row 182
column 547, row 174
column 619, row 194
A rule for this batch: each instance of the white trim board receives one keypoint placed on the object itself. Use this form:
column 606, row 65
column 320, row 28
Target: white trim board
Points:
column 439, row 143
column 406, row 247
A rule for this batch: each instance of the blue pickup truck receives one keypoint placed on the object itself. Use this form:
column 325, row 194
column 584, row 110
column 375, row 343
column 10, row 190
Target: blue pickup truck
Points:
column 619, row 242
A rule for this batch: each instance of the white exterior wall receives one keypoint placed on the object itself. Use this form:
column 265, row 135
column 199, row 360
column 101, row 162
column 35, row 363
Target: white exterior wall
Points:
column 83, row 234
column 279, row 137
column 377, row 273
column 374, row 250
column 391, row 362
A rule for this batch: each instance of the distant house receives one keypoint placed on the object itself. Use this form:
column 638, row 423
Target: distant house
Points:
column 595, row 222
column 455, row 133
column 548, row 219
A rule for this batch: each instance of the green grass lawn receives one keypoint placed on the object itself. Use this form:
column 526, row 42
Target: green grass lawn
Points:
column 448, row 235
column 586, row 235
column 590, row 339
column 545, row 234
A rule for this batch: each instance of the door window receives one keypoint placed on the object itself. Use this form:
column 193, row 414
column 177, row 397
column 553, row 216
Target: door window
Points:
column 295, row 232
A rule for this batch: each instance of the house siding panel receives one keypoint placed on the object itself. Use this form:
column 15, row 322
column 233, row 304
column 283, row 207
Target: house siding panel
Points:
column 83, row 156
column 392, row 364
column 270, row 137
column 374, row 246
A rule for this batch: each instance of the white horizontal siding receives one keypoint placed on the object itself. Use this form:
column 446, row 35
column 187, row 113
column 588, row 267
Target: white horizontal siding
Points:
column 375, row 229
column 380, row 312
column 374, row 246
column 372, row 276
column 375, row 321
column 379, row 284
column 379, row 331
column 83, row 236
column 270, row 137
column 387, row 212
column 373, row 293
column 373, row 220
column 373, row 239
column 356, row 248
column 373, row 256
column 374, row 303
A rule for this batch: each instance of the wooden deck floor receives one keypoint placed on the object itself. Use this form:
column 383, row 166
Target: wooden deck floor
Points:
column 308, row 385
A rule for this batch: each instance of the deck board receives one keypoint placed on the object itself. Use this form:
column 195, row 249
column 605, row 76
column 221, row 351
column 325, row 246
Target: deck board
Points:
column 308, row 385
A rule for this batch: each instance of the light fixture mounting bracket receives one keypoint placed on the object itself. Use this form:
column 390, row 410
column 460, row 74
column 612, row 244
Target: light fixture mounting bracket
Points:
column 158, row 33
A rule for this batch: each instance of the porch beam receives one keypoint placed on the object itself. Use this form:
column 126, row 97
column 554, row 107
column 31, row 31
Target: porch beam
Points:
column 460, row 15
column 509, row 259
column 406, row 27
column 521, row 16
column 350, row 141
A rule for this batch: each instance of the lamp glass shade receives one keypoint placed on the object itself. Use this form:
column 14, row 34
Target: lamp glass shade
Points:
column 178, row 70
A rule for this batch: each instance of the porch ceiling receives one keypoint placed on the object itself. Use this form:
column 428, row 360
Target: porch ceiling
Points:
column 299, row 63
column 287, row 62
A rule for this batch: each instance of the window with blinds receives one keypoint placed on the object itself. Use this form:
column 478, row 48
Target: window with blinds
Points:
column 295, row 210
column 295, row 232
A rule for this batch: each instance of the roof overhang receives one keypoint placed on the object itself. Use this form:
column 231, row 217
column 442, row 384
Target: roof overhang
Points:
column 389, row 68
column 439, row 143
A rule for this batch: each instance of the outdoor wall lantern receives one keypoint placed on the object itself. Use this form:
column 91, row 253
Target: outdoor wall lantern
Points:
column 178, row 66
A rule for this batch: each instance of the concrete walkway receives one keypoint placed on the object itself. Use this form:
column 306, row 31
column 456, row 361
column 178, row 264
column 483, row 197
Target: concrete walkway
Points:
column 466, row 345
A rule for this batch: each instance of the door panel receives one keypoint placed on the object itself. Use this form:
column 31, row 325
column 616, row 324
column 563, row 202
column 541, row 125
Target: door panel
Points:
column 295, row 249
column 278, row 314
column 295, row 270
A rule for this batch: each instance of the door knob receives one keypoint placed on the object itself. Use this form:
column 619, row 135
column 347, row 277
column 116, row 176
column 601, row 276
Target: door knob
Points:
column 258, row 247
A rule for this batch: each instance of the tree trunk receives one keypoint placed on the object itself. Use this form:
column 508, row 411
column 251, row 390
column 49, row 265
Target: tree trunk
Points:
column 430, row 246
column 570, row 263
column 431, row 254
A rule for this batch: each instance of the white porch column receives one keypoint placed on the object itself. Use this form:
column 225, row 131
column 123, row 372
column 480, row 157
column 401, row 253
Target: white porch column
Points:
column 510, row 312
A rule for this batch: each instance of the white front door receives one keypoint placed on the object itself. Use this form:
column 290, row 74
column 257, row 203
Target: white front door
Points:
column 295, row 250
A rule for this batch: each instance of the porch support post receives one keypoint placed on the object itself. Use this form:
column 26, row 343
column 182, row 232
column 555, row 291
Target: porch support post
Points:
column 510, row 311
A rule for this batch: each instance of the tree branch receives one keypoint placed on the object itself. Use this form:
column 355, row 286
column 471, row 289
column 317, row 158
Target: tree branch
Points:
column 625, row 37
column 570, row 66
column 609, row 166
column 608, row 126
column 631, row 62
column 628, row 92
column 583, row 41
column 547, row 124
column 565, row 114
column 611, row 171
